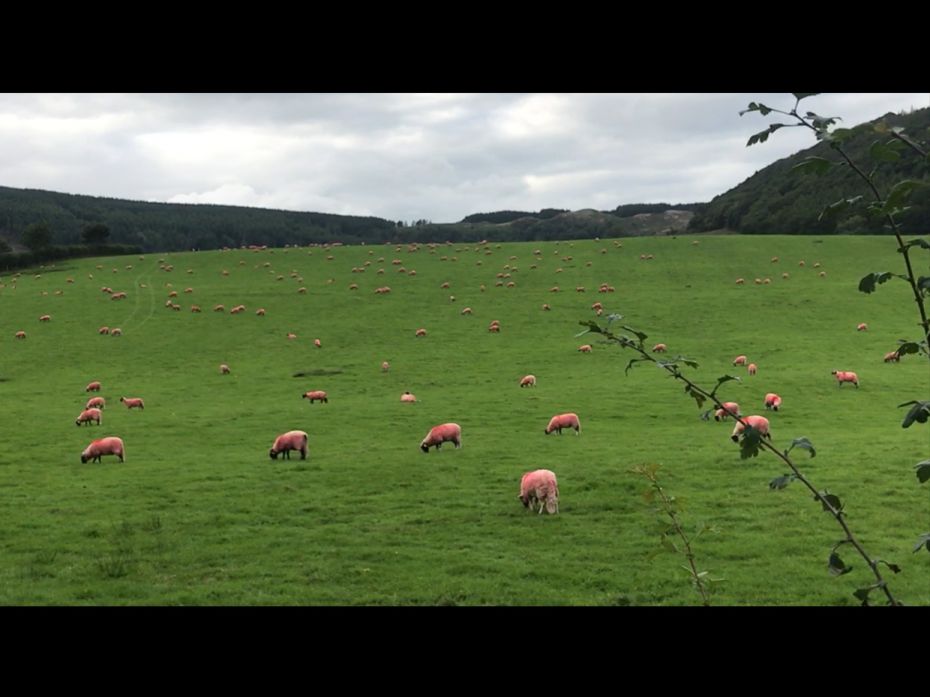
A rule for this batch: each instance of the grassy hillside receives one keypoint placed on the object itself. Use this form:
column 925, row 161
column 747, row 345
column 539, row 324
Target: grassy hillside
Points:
column 779, row 200
column 199, row 513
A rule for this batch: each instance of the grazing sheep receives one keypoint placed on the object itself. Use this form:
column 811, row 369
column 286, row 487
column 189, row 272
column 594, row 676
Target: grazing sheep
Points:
column 93, row 387
column 892, row 357
column 440, row 434
column 494, row 327
column 774, row 260
column 785, row 275
column 45, row 318
column 95, row 403
column 317, row 343
column 315, row 395
column 540, row 486
column 772, row 401
column 758, row 281
column 466, row 311
column 823, row 274
column 729, row 409
column 103, row 330
column 420, row 332
column 260, row 312
column 291, row 335
column 385, row 366
column 752, row 368
column 801, row 263
column 740, row 281
column 133, row 402
column 546, row 307
column 739, row 360
column 88, row 415
column 407, row 397
column 597, row 306
column 219, row 308
column 286, row 442
column 104, row 446
column 758, row 423
column 586, row 348
column 528, row 381
column 224, row 369
column 660, row 348
column 195, row 308
column 560, row 421
column 845, row 376
column 116, row 331
column 20, row 334
column 862, row 327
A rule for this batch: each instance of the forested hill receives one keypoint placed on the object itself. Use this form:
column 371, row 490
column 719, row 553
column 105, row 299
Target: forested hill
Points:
column 177, row 226
column 779, row 200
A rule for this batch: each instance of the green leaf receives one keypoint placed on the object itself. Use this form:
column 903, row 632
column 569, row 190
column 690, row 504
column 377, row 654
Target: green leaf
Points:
column 705, row 416
column 781, row 482
column 801, row 95
column 815, row 165
column 899, row 193
column 838, row 207
column 802, row 443
column 923, row 541
column 763, row 136
column 868, row 282
column 639, row 335
column 836, row 565
column 832, row 499
column 907, row 347
column 923, row 471
column 592, row 327
column 920, row 412
column 687, row 361
column 883, row 153
column 668, row 544
column 749, row 445
column 863, row 594
column 632, row 361
column 837, row 136
column 698, row 397
column 761, row 108
column 893, row 567
column 923, row 283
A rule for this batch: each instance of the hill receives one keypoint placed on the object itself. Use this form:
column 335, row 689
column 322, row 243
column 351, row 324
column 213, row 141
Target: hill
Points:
column 778, row 200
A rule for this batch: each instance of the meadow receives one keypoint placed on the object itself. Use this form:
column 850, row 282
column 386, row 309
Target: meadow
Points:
column 198, row 514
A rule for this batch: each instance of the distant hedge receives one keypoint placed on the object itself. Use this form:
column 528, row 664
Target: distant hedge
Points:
column 11, row 261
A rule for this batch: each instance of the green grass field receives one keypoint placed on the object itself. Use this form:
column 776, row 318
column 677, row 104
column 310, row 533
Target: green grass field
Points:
column 199, row 513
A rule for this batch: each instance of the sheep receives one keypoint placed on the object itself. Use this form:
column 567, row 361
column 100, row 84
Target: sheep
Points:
column 103, row 330
column 407, row 397
column 224, row 369
column 494, row 327
column 739, row 360
column 752, row 368
column 892, row 357
column 845, row 376
column 466, row 311
column 540, row 486
column 45, row 318
column 219, row 308
column 286, row 442
column 546, row 307
column 772, row 401
column 785, row 275
column 95, row 403
column 597, row 306
column 758, row 423
column 88, row 415
column 420, row 332
column 440, row 434
column 317, row 343
column 528, row 381
column 385, row 366
column 93, row 387
column 758, row 281
column 116, row 331
column 133, row 402
column 740, row 281
column 20, row 334
column 291, row 335
column 659, row 348
column 314, row 395
column 260, row 312
column 560, row 421
column 862, row 327
column 104, row 446
column 195, row 308
column 729, row 409
column 586, row 348
column 774, row 260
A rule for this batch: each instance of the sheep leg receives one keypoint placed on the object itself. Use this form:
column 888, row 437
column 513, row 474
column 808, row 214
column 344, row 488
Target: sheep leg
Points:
column 303, row 453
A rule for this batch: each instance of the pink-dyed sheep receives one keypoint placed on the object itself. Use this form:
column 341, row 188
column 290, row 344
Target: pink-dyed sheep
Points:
column 45, row 318
column 219, row 308
column 224, row 369
column 407, row 397
column 739, row 360
column 133, row 402
column 540, row 486
column 20, row 334
column 758, row 423
column 494, row 327
column 88, row 415
column 103, row 330
column 752, row 368
column 845, row 376
column 466, row 310
column 95, row 403
column 528, row 381
column 659, row 348
column 195, row 308
column 385, row 366
column 260, row 312
column 586, row 348
column 892, row 357
column 546, row 307
column 560, row 421
column 729, row 409
column 862, row 327
column 286, row 442
column 93, row 387
column 421, row 332
column 316, row 342
column 772, row 401
column 104, row 446
column 740, row 281
column 441, row 434
column 316, row 395
column 116, row 331
column 291, row 336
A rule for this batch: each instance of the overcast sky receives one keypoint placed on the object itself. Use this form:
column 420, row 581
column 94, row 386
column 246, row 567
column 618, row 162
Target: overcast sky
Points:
column 403, row 156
